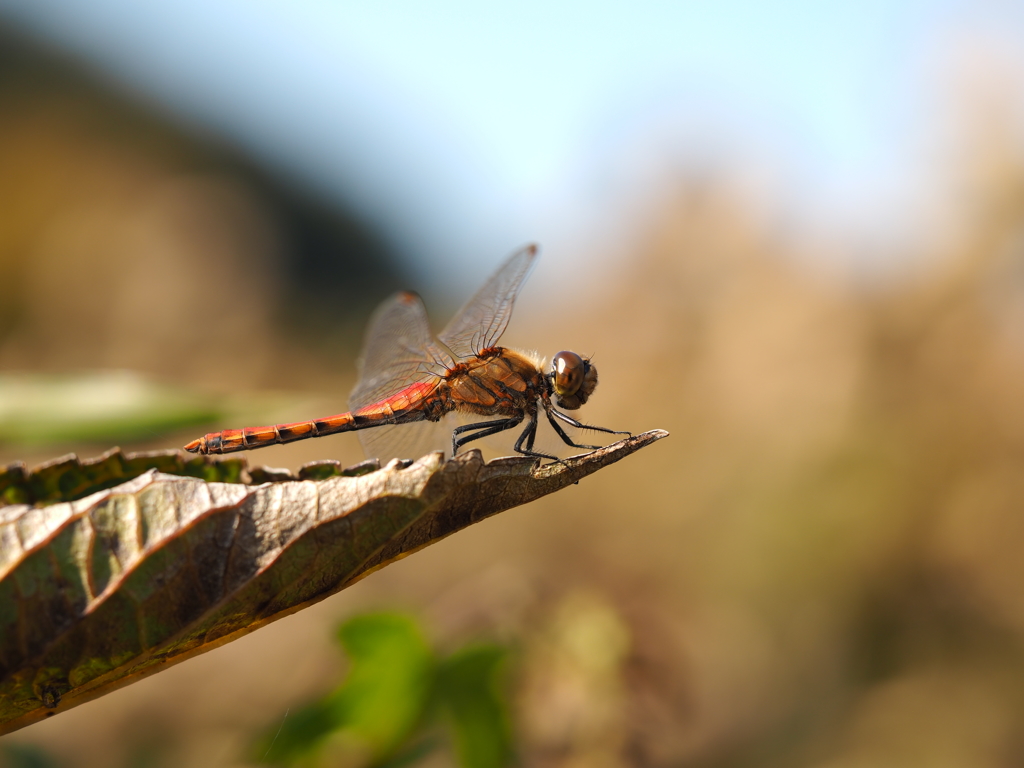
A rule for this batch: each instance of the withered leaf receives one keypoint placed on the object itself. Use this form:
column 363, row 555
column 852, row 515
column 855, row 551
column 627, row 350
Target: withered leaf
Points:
column 101, row 591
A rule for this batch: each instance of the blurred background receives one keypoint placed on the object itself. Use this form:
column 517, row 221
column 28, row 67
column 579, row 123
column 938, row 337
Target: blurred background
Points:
column 792, row 235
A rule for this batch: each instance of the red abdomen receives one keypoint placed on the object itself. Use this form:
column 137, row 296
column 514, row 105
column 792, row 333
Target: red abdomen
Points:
column 417, row 402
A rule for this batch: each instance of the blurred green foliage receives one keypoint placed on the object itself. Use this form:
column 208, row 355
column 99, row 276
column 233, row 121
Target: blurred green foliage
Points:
column 396, row 702
column 101, row 406
column 143, row 753
column 468, row 690
column 26, row 756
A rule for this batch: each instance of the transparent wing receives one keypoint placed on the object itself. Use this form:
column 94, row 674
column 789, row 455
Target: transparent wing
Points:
column 480, row 323
column 408, row 441
column 398, row 351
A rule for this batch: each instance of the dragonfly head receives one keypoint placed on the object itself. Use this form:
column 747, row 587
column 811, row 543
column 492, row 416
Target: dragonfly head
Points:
column 573, row 379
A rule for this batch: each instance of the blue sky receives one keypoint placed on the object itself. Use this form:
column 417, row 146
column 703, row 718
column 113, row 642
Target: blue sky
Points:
column 465, row 128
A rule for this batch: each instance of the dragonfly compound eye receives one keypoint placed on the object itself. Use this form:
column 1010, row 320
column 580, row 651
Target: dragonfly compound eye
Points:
column 573, row 379
column 568, row 370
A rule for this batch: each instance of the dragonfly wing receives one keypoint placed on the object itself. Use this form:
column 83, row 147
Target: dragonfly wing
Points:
column 480, row 323
column 408, row 441
column 398, row 351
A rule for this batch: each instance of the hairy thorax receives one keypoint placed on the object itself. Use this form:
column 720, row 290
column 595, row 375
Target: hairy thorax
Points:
column 499, row 381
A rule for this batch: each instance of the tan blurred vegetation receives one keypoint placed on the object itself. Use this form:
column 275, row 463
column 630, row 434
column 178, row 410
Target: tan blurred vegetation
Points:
column 821, row 567
column 109, row 253
column 128, row 241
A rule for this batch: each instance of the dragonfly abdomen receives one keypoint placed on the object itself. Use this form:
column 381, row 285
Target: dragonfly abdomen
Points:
column 231, row 440
column 416, row 403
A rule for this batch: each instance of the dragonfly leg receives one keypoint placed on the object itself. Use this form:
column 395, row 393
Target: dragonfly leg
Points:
column 486, row 429
column 529, row 435
column 579, row 424
column 531, row 428
column 565, row 438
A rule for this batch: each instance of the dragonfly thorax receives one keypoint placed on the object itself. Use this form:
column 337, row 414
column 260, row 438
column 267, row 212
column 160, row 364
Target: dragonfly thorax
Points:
column 573, row 379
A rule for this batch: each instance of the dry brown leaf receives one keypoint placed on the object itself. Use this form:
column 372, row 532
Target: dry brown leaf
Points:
column 102, row 591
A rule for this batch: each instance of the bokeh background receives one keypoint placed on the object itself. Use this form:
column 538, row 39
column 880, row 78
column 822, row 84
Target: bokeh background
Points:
column 792, row 234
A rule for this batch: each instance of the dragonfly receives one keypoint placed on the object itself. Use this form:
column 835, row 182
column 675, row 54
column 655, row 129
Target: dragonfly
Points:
column 411, row 383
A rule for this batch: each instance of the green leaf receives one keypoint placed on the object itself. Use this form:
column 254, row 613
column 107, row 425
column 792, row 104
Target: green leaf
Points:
column 469, row 690
column 379, row 704
column 385, row 694
column 299, row 733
